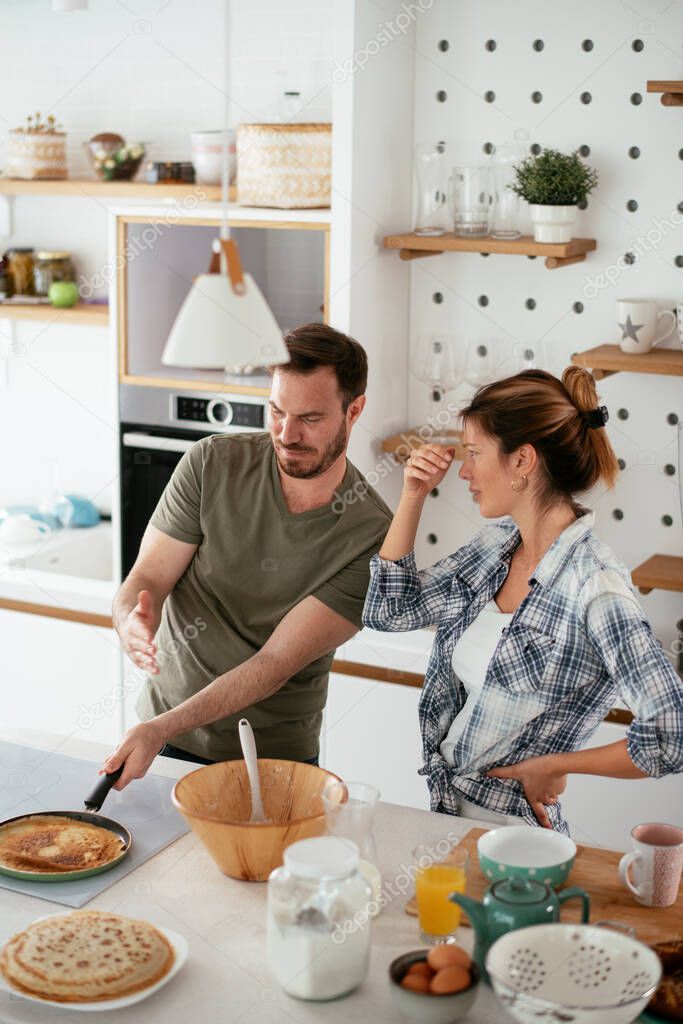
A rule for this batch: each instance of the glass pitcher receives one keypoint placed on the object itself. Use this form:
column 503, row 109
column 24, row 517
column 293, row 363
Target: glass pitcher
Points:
column 353, row 819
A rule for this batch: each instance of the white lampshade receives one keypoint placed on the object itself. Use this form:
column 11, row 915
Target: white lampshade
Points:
column 219, row 327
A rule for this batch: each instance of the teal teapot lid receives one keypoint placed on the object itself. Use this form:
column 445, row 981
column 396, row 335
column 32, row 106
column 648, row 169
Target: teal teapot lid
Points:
column 519, row 891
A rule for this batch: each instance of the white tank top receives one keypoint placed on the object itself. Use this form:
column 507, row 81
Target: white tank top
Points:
column 470, row 661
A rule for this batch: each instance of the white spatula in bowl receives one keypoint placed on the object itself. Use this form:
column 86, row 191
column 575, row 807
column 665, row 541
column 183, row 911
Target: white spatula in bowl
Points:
column 248, row 744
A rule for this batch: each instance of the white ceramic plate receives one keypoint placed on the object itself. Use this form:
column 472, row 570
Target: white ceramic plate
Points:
column 181, row 950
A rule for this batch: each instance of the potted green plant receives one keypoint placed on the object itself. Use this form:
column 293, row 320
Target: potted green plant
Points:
column 553, row 183
column 37, row 150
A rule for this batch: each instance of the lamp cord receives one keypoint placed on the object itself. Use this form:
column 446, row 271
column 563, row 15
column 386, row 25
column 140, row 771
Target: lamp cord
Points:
column 225, row 227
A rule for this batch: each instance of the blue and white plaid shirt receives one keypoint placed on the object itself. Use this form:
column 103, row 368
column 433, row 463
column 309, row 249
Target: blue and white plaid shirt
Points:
column 577, row 641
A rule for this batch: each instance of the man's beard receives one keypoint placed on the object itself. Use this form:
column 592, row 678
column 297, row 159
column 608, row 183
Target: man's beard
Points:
column 329, row 455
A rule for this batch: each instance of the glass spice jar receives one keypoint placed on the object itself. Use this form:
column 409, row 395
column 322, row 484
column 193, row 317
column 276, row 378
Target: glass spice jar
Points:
column 50, row 267
column 20, row 267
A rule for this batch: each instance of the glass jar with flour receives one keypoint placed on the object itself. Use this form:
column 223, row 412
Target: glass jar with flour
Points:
column 318, row 931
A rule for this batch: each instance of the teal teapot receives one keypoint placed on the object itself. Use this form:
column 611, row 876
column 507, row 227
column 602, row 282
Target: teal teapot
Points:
column 512, row 903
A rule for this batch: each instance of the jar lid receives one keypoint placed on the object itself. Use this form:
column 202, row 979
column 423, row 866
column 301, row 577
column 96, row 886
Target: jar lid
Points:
column 19, row 249
column 44, row 254
column 322, row 857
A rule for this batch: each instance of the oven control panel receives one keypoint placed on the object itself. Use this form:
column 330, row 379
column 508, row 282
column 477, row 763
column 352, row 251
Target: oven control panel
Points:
column 226, row 414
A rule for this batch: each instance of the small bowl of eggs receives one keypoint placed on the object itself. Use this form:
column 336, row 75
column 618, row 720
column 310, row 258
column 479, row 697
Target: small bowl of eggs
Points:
column 434, row 986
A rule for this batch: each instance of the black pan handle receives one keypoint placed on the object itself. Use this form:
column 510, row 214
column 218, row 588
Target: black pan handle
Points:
column 94, row 800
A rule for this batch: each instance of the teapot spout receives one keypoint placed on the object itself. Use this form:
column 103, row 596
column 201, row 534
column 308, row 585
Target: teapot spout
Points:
column 476, row 913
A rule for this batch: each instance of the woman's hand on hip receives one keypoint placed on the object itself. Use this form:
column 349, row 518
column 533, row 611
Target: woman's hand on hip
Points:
column 426, row 468
column 541, row 779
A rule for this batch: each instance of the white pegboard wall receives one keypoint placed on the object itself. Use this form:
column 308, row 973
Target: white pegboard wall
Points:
column 539, row 48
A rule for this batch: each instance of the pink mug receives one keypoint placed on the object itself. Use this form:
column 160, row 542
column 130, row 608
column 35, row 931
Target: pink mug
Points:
column 657, row 860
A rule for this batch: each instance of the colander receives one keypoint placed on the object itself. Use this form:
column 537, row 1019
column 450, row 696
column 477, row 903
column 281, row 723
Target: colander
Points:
column 572, row 974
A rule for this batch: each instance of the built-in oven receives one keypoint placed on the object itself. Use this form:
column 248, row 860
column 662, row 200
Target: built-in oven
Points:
column 157, row 427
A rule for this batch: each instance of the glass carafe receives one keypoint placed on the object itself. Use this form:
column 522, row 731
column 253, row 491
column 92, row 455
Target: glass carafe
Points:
column 431, row 172
column 353, row 819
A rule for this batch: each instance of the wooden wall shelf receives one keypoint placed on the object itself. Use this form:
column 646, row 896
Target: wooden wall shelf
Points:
column 660, row 572
column 560, row 254
column 81, row 313
column 118, row 189
column 401, row 445
column 672, row 92
column 608, row 359
column 187, row 383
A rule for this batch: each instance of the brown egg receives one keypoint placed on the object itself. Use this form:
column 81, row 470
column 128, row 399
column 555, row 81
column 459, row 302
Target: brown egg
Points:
column 415, row 982
column 450, row 979
column 423, row 968
column 447, row 955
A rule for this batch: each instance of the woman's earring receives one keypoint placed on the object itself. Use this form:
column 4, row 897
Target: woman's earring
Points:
column 520, row 484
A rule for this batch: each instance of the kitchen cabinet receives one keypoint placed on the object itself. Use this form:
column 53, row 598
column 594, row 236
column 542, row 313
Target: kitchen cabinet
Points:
column 60, row 676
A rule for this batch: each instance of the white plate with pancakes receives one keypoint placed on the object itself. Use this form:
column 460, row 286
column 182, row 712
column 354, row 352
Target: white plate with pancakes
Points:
column 155, row 955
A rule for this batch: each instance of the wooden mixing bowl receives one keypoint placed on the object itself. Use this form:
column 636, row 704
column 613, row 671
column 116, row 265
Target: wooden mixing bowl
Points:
column 216, row 803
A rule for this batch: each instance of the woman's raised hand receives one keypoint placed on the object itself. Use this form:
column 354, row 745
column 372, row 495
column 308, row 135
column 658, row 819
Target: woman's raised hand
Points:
column 426, row 468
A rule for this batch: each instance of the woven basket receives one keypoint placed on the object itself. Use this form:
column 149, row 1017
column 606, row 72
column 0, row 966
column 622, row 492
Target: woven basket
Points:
column 36, row 155
column 287, row 166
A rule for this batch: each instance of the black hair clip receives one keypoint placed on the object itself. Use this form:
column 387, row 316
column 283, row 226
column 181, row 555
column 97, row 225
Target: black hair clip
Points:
column 596, row 417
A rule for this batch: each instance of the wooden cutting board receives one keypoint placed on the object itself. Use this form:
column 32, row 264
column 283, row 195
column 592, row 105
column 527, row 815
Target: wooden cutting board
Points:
column 595, row 871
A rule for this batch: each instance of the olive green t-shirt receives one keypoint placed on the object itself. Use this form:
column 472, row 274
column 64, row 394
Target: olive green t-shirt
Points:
column 255, row 561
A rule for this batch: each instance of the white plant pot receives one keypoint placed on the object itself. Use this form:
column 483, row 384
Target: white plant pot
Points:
column 553, row 223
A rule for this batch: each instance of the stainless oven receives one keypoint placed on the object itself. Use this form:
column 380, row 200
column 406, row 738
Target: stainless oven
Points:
column 158, row 426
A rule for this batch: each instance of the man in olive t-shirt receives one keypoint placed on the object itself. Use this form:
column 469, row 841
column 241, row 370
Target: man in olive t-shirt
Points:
column 252, row 570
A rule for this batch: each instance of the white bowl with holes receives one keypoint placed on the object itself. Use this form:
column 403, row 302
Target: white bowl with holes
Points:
column 572, row 972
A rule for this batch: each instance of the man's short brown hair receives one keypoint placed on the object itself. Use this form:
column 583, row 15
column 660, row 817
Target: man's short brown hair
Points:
column 314, row 345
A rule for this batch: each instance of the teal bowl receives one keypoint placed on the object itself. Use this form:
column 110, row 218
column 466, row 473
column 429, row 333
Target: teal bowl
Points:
column 521, row 851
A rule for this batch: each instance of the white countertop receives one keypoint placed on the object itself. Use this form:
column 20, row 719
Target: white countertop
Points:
column 226, row 977
column 66, row 569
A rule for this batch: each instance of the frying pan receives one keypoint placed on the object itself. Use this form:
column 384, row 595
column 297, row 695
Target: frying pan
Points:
column 92, row 804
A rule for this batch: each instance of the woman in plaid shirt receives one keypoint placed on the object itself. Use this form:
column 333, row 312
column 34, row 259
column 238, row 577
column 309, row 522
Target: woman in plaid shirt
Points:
column 537, row 626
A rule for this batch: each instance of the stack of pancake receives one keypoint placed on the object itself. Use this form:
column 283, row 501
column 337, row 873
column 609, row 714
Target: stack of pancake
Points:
column 51, row 844
column 86, row 956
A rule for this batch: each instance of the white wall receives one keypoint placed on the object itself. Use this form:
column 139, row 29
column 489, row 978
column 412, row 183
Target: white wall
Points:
column 153, row 75
column 612, row 71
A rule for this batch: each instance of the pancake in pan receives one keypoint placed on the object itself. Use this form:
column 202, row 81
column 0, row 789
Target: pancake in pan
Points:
column 51, row 844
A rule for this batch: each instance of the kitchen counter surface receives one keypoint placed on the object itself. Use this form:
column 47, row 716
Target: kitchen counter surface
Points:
column 226, row 977
column 68, row 569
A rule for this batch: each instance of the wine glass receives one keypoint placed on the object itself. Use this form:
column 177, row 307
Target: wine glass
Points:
column 437, row 362
column 484, row 363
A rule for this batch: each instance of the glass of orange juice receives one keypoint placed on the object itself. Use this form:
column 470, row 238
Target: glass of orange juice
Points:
column 437, row 874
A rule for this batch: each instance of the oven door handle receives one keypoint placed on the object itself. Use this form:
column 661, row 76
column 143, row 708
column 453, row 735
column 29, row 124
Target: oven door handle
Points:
column 154, row 443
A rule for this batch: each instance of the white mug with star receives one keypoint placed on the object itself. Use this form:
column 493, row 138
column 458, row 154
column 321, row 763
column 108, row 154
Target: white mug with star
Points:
column 639, row 321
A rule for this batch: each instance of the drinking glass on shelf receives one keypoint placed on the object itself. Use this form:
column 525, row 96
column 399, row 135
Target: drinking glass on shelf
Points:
column 507, row 207
column 431, row 171
column 437, row 874
column 471, row 194
column 437, row 362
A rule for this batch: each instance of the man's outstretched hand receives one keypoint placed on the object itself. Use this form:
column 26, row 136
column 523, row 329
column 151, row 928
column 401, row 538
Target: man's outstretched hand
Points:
column 136, row 632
